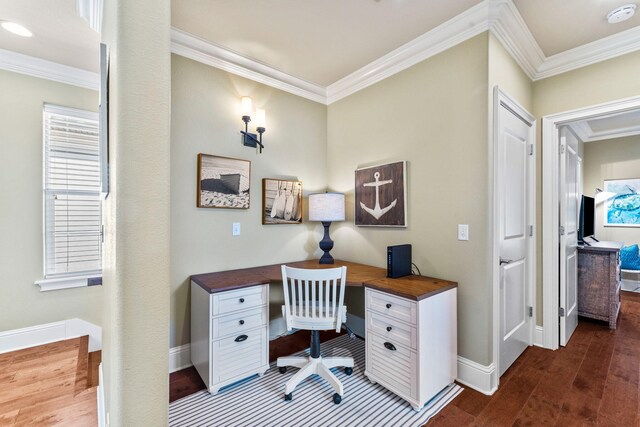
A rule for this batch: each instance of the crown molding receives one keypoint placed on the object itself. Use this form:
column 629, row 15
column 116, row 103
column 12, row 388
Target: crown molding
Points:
column 500, row 17
column 456, row 30
column 41, row 68
column 600, row 50
column 192, row 47
column 91, row 11
column 507, row 25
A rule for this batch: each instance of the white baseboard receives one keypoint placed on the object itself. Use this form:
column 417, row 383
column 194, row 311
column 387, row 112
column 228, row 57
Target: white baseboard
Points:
column 479, row 377
column 538, row 337
column 179, row 358
column 630, row 285
column 32, row 336
column 102, row 418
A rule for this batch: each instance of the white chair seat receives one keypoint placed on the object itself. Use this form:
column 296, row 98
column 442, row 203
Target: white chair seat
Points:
column 309, row 300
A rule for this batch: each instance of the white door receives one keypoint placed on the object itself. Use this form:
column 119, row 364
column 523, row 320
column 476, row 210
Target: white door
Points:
column 569, row 208
column 514, row 168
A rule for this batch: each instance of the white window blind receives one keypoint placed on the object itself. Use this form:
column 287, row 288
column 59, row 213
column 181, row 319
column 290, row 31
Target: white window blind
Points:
column 72, row 202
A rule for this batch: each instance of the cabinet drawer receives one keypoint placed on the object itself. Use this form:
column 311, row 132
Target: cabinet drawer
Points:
column 393, row 367
column 391, row 330
column 230, row 301
column 233, row 358
column 238, row 322
column 392, row 306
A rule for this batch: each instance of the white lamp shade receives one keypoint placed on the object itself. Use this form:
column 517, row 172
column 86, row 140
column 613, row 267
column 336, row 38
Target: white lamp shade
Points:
column 261, row 118
column 326, row 207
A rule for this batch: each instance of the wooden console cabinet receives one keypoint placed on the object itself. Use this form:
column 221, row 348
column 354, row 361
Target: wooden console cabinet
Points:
column 599, row 281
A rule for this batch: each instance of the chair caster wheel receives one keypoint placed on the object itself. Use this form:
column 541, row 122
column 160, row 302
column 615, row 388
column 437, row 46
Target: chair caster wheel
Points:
column 337, row 398
column 288, row 396
column 348, row 371
column 282, row 369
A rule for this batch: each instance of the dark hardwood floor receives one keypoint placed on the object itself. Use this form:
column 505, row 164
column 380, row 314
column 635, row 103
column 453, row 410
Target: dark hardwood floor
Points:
column 594, row 381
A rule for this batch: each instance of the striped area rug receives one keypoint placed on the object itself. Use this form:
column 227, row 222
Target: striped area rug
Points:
column 259, row 401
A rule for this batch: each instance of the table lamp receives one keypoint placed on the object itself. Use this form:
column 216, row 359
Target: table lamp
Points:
column 326, row 207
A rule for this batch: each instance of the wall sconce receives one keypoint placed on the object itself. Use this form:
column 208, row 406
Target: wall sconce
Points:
column 251, row 139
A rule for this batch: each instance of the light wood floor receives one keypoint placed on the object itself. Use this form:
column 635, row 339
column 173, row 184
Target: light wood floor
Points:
column 52, row 384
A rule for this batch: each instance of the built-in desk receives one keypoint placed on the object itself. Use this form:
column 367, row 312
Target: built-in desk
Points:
column 410, row 330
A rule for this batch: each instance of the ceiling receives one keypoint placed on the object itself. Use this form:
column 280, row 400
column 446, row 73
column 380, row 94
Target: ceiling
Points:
column 318, row 41
column 608, row 127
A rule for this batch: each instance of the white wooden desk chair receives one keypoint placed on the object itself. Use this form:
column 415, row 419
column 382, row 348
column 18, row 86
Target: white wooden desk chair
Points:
column 313, row 300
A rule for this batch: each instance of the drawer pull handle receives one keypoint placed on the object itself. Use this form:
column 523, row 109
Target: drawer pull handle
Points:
column 241, row 300
column 241, row 338
column 389, row 328
column 390, row 346
column 388, row 305
column 242, row 322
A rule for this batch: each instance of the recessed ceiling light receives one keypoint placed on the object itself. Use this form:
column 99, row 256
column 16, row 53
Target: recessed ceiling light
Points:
column 621, row 13
column 15, row 28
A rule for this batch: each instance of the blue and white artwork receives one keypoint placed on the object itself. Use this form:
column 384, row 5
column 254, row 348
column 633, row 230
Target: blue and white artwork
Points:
column 623, row 209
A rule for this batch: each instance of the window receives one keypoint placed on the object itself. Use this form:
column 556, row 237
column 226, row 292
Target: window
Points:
column 72, row 201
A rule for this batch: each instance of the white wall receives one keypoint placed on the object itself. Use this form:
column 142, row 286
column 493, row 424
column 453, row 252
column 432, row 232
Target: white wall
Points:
column 21, row 207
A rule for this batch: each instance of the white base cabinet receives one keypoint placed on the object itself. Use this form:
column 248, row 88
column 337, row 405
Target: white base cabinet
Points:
column 229, row 334
column 411, row 346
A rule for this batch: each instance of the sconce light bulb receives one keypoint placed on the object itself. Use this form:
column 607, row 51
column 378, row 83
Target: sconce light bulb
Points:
column 261, row 118
column 246, row 106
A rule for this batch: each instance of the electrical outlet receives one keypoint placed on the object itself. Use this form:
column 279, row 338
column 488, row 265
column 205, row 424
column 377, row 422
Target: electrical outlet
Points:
column 463, row 231
column 236, row 229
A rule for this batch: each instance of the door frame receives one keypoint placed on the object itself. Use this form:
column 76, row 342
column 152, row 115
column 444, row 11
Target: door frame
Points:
column 551, row 201
column 500, row 97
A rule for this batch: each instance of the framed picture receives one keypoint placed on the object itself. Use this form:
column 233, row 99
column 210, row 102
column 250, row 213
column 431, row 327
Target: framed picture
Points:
column 281, row 201
column 381, row 195
column 623, row 209
column 223, row 182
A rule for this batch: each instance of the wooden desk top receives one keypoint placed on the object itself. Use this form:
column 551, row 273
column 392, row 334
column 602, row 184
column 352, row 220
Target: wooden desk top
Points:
column 602, row 246
column 411, row 287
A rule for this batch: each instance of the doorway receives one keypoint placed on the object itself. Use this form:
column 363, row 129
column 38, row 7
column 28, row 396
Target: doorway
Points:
column 556, row 247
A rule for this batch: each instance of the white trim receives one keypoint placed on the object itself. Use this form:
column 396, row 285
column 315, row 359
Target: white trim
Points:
column 102, row 412
column 91, row 11
column 550, row 203
column 41, row 68
column 192, row 47
column 502, row 98
column 69, row 282
column 32, row 336
column 600, row 50
column 479, row 377
column 538, row 339
column 179, row 358
column 456, row 30
column 511, row 30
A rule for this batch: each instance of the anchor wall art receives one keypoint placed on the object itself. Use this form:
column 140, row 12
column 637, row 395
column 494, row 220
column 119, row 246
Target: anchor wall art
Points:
column 381, row 198
column 281, row 201
column 623, row 209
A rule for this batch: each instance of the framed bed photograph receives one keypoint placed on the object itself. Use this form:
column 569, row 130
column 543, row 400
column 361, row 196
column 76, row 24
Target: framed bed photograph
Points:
column 281, row 201
column 623, row 208
column 381, row 195
column 223, row 182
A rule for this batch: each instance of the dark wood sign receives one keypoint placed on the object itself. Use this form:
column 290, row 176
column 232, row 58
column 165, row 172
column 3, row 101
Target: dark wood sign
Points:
column 381, row 198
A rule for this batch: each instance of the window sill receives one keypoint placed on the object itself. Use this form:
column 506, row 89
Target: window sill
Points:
column 59, row 283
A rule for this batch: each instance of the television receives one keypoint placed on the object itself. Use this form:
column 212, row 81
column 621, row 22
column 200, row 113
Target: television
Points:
column 587, row 220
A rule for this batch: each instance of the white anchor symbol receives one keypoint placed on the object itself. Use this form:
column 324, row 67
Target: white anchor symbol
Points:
column 376, row 212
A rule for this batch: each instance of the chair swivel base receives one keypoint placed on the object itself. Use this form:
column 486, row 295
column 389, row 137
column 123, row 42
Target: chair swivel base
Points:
column 318, row 366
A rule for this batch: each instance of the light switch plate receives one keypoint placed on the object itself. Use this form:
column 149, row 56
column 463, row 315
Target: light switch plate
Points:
column 463, row 231
column 236, row 229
